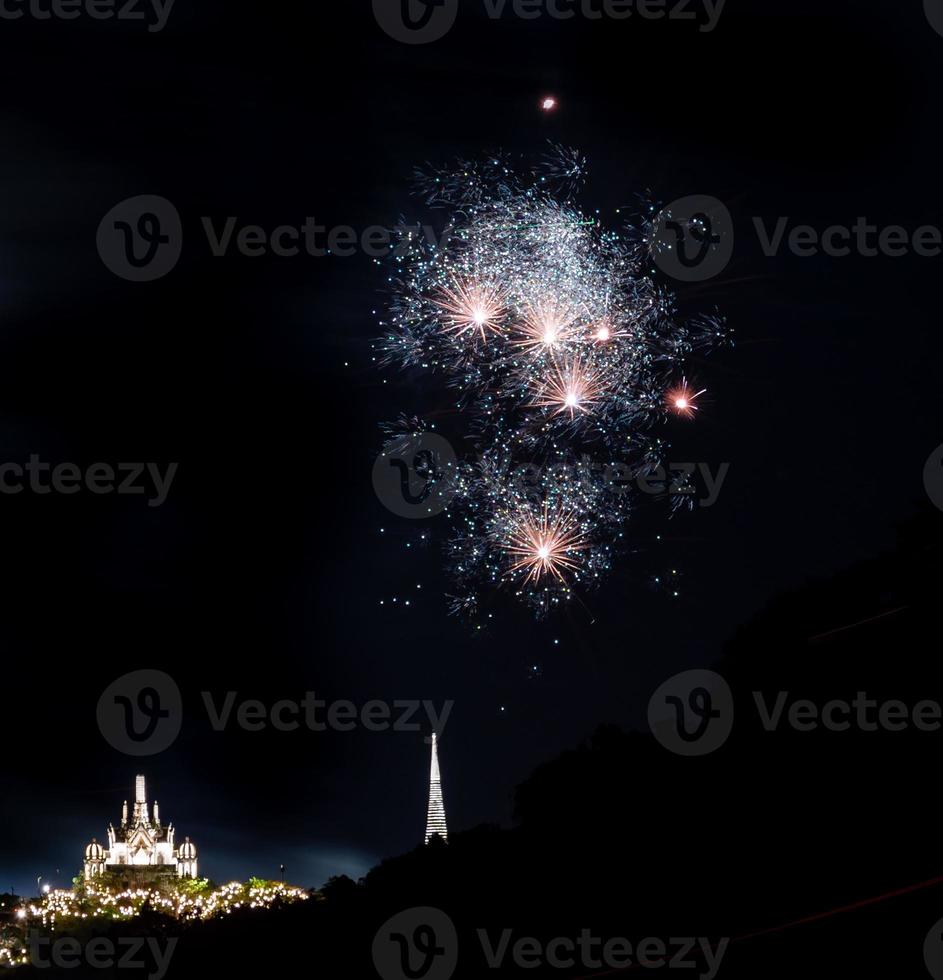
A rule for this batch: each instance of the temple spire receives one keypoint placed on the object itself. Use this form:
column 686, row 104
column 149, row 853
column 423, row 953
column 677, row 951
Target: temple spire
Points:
column 435, row 819
column 140, row 801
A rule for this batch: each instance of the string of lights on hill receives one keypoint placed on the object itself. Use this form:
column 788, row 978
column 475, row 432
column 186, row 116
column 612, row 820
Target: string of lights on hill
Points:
column 64, row 909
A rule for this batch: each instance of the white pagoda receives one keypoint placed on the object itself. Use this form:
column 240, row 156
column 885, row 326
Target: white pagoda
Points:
column 141, row 842
column 435, row 818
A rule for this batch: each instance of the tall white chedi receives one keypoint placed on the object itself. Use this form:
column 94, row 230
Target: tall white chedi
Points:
column 435, row 819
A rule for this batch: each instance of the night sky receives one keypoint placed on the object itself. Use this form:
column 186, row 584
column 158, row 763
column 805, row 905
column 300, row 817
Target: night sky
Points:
column 264, row 571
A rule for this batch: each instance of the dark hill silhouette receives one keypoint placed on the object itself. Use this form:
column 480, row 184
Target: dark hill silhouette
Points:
column 622, row 837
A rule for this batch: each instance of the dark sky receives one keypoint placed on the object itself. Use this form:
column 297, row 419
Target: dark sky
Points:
column 263, row 572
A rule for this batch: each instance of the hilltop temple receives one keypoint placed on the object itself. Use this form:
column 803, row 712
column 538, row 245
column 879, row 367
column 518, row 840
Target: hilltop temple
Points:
column 142, row 847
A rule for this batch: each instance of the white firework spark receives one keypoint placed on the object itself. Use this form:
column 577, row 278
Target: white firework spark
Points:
column 472, row 307
column 572, row 387
column 544, row 545
column 545, row 326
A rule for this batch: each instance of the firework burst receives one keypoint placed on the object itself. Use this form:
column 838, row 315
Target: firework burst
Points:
column 572, row 388
column 559, row 345
column 546, row 545
column 546, row 326
column 475, row 308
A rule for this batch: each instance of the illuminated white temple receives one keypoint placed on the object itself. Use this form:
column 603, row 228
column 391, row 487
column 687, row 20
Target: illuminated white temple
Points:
column 141, row 842
column 435, row 819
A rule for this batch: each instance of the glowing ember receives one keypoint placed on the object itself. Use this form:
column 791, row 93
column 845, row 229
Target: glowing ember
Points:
column 604, row 330
column 682, row 399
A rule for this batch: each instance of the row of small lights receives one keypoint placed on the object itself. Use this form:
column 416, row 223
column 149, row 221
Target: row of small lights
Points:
column 235, row 895
column 127, row 904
